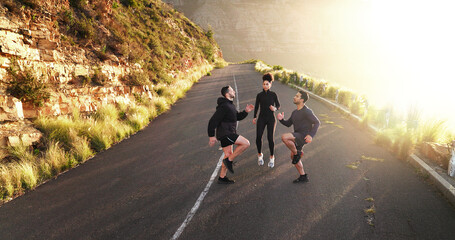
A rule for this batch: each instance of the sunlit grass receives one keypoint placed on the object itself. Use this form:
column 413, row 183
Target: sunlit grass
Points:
column 221, row 63
column 6, row 182
column 54, row 160
column 71, row 140
column 21, row 152
column 28, row 174
column 432, row 131
column 80, row 147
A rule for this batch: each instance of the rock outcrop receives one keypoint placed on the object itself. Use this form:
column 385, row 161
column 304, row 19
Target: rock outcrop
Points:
column 35, row 43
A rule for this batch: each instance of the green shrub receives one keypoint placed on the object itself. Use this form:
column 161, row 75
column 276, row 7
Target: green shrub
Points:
column 294, row 78
column 21, row 153
column 136, row 78
column 34, row 4
column 220, row 63
column 55, row 160
column 310, row 84
column 209, row 34
column 99, row 78
column 432, row 131
column 129, row 3
column 25, row 86
column 285, row 78
column 83, row 28
column 107, row 112
column 345, row 97
column 278, row 76
column 320, row 88
column 6, row 182
column 407, row 145
column 28, row 173
column 277, row 67
column 207, row 50
column 330, row 93
column 78, row 4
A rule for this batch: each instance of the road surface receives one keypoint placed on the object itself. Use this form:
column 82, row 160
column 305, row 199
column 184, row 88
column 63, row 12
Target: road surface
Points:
column 145, row 186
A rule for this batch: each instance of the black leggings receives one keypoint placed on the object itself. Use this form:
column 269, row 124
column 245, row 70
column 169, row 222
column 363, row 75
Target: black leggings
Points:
column 270, row 122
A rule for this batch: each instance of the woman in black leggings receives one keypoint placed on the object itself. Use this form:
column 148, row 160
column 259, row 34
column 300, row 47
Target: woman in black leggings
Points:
column 267, row 103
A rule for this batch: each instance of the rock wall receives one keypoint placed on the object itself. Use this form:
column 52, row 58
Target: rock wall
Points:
column 35, row 43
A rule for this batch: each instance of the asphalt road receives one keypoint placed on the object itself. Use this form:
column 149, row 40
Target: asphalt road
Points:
column 144, row 187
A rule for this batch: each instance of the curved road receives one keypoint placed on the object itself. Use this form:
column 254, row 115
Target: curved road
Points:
column 144, row 187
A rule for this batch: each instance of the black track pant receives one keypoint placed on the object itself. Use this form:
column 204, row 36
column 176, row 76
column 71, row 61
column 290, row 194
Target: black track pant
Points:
column 261, row 123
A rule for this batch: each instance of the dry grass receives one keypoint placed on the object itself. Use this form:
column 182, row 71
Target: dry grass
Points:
column 71, row 140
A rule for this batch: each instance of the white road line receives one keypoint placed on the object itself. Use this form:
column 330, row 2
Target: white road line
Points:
column 199, row 200
column 193, row 211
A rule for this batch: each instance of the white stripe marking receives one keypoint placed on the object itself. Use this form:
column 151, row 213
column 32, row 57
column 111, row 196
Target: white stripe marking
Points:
column 198, row 203
column 199, row 200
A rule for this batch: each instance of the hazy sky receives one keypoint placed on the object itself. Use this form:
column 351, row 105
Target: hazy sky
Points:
column 397, row 52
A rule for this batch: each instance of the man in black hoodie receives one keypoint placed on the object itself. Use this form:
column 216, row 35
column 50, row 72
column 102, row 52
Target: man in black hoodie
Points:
column 224, row 122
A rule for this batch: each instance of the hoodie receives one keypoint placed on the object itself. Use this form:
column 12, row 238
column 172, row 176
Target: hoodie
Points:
column 225, row 118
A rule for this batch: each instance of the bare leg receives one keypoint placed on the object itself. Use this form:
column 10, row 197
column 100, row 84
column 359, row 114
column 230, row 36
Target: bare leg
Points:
column 227, row 152
column 289, row 140
column 242, row 144
column 299, row 167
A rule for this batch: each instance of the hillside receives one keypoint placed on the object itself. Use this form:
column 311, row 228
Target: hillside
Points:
column 58, row 56
column 78, row 76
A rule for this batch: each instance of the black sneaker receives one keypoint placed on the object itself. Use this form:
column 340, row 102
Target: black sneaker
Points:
column 297, row 157
column 228, row 164
column 225, row 180
column 301, row 179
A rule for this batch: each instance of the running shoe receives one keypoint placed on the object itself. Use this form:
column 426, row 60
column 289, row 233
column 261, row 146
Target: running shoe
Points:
column 225, row 180
column 272, row 162
column 297, row 157
column 261, row 160
column 228, row 164
column 301, row 179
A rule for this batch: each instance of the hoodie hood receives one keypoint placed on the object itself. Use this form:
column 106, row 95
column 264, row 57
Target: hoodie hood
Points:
column 223, row 100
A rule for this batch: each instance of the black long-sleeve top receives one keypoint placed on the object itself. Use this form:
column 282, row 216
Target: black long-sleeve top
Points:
column 263, row 101
column 225, row 118
column 304, row 121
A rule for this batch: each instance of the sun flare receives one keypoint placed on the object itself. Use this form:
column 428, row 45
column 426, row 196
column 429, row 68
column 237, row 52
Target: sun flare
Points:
column 414, row 40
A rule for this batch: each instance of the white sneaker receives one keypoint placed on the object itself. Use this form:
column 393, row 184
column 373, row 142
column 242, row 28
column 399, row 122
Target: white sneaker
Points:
column 272, row 162
column 261, row 160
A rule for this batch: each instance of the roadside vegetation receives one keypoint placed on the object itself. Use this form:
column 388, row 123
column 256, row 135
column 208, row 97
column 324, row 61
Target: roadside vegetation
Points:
column 72, row 140
column 168, row 54
column 401, row 133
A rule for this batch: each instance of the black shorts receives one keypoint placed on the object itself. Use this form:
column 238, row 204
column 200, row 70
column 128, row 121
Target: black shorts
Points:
column 299, row 140
column 228, row 139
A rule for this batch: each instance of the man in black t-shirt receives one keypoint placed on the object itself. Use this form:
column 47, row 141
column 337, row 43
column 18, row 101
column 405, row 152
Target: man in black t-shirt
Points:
column 306, row 125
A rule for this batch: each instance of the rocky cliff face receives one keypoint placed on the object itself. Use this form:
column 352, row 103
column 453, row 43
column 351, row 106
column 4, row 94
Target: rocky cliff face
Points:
column 35, row 42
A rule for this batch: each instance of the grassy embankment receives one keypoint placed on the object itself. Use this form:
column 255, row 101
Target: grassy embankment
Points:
column 401, row 133
column 139, row 33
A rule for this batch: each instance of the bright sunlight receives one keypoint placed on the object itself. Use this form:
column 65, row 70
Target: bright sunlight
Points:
column 412, row 42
